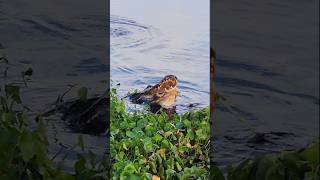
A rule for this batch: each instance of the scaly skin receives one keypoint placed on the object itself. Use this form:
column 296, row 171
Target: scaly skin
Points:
column 164, row 93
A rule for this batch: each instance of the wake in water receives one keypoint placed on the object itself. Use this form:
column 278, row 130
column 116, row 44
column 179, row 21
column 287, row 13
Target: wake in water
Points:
column 143, row 54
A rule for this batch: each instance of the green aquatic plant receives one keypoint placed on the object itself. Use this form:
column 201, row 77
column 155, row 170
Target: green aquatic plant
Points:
column 24, row 144
column 143, row 146
column 146, row 145
column 293, row 165
column 24, row 150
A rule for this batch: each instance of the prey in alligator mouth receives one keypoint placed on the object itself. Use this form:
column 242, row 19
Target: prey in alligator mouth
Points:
column 163, row 94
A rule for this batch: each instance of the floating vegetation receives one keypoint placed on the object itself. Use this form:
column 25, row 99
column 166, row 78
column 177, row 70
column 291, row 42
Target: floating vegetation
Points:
column 150, row 146
column 142, row 146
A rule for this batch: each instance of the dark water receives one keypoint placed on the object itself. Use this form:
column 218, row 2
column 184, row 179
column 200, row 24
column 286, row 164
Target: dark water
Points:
column 64, row 43
column 267, row 68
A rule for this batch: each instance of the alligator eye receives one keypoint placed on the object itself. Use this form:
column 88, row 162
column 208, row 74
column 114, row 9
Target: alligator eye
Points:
column 160, row 94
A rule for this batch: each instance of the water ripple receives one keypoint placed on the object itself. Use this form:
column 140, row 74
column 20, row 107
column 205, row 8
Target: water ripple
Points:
column 236, row 82
column 127, row 33
column 45, row 29
column 248, row 67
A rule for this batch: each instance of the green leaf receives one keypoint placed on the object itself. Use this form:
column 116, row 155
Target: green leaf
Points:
column 157, row 137
column 130, row 169
column 263, row 164
column 64, row 176
column 187, row 123
column 80, row 165
column 170, row 173
column 120, row 155
column 3, row 104
column 216, row 173
column 153, row 167
column 83, row 93
column 240, row 172
column 26, row 145
column 131, row 134
column 312, row 153
column 13, row 92
column 273, row 174
column 178, row 166
column 147, row 144
column 201, row 134
column 41, row 128
column 93, row 158
column 179, row 125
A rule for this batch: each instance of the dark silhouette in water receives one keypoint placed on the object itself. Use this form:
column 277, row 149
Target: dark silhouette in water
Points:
column 90, row 116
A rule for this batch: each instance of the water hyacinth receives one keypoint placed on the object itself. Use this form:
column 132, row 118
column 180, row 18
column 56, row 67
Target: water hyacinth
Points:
column 150, row 146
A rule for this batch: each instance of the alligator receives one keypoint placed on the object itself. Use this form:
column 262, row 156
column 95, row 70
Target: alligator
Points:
column 160, row 96
column 92, row 116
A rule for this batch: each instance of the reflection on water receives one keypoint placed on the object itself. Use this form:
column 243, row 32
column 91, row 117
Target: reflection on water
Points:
column 64, row 43
column 266, row 68
column 145, row 47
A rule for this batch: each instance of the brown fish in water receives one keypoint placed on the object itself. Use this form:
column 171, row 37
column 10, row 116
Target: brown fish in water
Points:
column 163, row 94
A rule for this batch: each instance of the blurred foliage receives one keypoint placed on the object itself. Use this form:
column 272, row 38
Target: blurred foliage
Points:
column 291, row 165
column 24, row 149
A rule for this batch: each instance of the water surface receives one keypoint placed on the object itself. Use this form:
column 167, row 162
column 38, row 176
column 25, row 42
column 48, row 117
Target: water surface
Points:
column 267, row 68
column 64, row 43
column 152, row 39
